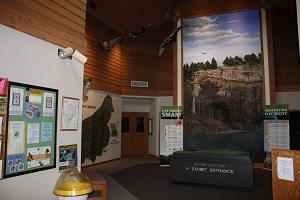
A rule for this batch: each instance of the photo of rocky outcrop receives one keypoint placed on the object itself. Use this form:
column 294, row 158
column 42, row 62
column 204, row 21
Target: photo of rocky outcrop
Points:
column 223, row 90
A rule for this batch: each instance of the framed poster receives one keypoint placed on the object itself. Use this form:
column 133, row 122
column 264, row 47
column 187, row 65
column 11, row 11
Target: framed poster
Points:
column 67, row 157
column 31, row 129
column 69, row 116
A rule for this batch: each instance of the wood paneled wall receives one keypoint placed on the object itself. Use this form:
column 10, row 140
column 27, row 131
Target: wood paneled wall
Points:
column 135, row 60
column 194, row 8
column 103, row 67
column 58, row 22
column 141, row 62
column 285, row 44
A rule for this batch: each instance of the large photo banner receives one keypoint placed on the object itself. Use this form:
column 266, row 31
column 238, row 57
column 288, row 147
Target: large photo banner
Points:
column 171, row 132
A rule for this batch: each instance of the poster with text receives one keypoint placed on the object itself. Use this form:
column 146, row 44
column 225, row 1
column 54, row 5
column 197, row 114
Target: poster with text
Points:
column 276, row 127
column 67, row 157
column 171, row 132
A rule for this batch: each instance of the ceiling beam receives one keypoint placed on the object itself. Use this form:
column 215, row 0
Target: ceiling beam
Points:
column 105, row 21
column 169, row 6
column 131, row 12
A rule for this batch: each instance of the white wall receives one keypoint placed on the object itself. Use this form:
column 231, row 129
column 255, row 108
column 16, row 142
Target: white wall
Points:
column 113, row 149
column 151, row 105
column 136, row 104
column 29, row 60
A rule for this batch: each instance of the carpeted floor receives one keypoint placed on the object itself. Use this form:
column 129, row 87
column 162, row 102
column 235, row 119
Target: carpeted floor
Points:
column 151, row 181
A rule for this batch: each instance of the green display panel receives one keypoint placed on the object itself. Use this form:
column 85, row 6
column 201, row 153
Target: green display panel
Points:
column 31, row 129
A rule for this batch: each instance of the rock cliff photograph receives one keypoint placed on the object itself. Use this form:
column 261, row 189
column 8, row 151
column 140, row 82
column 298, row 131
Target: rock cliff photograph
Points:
column 223, row 90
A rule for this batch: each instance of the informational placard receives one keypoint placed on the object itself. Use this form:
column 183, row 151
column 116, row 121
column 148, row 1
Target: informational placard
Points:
column 31, row 129
column 171, row 132
column 1, row 119
column 285, row 168
column 276, row 127
column 67, row 157
column 3, row 102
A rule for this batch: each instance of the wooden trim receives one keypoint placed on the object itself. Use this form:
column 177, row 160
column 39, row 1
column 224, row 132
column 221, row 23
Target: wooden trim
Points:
column 99, row 163
column 271, row 57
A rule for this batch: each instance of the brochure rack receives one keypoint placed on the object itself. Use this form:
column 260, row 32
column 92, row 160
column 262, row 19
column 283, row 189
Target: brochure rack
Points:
column 3, row 120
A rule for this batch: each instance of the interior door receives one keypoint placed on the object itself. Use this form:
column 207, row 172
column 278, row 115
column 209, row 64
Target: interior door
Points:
column 134, row 141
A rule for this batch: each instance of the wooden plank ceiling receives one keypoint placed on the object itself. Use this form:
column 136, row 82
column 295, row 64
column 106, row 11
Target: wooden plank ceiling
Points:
column 127, row 17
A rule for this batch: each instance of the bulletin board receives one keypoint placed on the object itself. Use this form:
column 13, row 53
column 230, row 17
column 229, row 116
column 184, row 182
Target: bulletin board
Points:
column 31, row 129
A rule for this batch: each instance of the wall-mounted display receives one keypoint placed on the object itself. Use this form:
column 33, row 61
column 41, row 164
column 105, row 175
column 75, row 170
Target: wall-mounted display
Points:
column 31, row 129
column 67, row 157
column 69, row 116
column 171, row 132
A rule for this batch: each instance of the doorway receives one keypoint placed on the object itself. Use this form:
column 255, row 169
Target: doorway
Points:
column 134, row 139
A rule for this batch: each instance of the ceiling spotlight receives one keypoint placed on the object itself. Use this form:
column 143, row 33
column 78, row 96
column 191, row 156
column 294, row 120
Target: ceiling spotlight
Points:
column 66, row 53
column 69, row 53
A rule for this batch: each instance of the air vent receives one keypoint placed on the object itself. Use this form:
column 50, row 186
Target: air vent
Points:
column 139, row 83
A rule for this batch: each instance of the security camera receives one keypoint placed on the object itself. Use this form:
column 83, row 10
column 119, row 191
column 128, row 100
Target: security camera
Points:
column 69, row 53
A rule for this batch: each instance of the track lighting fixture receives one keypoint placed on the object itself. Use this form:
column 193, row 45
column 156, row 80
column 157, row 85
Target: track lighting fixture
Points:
column 70, row 52
column 135, row 34
column 143, row 30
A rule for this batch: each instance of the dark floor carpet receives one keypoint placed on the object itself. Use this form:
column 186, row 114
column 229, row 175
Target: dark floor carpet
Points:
column 153, row 182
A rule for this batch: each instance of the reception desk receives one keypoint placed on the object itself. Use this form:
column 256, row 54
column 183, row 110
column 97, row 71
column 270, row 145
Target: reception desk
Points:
column 223, row 168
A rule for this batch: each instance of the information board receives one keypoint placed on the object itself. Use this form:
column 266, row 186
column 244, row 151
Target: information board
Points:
column 31, row 129
column 276, row 127
column 171, row 132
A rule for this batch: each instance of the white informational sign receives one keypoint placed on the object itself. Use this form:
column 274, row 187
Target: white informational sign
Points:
column 0, row 169
column 16, row 101
column 1, row 124
column 33, row 133
column 48, row 106
column 16, row 137
column 276, row 127
column 285, row 168
column 171, row 132
column 173, row 140
column 278, row 135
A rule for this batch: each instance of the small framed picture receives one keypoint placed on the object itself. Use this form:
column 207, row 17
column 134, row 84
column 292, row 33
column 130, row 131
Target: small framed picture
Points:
column 150, row 126
column 48, row 102
column 69, row 116
column 16, row 99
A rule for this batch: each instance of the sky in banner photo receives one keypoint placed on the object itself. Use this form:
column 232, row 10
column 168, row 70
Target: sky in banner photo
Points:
column 220, row 36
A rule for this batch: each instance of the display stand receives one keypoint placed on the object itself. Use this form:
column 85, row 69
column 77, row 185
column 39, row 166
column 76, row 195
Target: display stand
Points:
column 285, row 174
column 214, row 169
column 3, row 120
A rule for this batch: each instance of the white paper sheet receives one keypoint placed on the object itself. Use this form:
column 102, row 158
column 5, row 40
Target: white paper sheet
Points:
column 0, row 169
column 285, row 168
column 1, row 124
